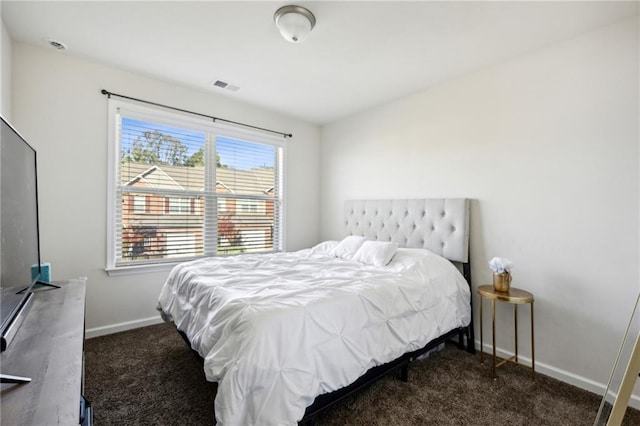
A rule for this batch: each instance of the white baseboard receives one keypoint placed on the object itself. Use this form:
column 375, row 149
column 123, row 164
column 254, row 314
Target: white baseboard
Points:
column 123, row 326
column 562, row 375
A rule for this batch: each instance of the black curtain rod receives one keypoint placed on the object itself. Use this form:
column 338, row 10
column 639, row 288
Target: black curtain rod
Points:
column 109, row 94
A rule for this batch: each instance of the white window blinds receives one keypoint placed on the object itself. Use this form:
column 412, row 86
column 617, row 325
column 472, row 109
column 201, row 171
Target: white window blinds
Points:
column 186, row 189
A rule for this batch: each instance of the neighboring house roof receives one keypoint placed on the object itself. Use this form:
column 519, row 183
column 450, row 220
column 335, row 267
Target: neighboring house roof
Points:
column 155, row 177
column 254, row 181
column 223, row 186
column 236, row 181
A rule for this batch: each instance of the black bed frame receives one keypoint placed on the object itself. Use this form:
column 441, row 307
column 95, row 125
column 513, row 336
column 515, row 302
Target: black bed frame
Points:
column 401, row 364
column 326, row 401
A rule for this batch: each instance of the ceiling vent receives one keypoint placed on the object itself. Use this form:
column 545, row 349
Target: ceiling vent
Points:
column 224, row 85
column 58, row 45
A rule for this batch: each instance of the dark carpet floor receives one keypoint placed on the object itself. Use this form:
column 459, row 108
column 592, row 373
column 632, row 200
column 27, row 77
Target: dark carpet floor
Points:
column 148, row 376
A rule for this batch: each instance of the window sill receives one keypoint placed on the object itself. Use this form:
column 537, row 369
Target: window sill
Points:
column 116, row 271
column 140, row 269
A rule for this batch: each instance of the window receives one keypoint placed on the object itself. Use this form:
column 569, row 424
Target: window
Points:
column 139, row 204
column 248, row 206
column 179, row 205
column 204, row 189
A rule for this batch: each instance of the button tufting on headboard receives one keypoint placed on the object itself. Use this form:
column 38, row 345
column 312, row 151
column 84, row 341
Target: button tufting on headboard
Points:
column 412, row 223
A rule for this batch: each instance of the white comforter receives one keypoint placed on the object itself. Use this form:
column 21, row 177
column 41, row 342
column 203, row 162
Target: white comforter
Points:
column 277, row 330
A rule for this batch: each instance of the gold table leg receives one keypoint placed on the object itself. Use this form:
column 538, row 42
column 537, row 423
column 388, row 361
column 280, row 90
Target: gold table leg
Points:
column 533, row 351
column 481, row 333
column 515, row 325
column 493, row 334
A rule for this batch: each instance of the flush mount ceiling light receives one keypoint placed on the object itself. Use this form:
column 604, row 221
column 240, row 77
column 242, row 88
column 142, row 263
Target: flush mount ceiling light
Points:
column 294, row 22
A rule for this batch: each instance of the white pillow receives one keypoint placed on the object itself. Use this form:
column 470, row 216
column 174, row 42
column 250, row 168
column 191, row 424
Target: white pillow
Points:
column 376, row 253
column 347, row 247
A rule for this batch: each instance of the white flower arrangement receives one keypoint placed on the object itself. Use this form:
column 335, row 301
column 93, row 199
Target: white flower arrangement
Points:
column 500, row 265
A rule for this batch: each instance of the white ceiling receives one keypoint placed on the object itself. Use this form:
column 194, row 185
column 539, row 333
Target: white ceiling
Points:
column 361, row 54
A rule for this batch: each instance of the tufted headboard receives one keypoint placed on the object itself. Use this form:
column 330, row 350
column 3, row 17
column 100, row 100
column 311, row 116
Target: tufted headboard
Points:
column 440, row 225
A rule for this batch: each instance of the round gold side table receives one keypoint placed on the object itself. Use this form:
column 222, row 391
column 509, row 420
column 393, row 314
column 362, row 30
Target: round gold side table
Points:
column 515, row 297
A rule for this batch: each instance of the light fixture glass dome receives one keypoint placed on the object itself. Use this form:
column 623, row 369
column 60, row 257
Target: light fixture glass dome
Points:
column 294, row 22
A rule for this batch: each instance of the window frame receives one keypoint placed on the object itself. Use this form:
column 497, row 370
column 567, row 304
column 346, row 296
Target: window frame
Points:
column 159, row 115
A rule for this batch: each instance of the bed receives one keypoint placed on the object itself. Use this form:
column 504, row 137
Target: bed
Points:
column 288, row 335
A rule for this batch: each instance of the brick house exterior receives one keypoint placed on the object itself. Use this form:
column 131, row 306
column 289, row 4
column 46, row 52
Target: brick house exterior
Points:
column 168, row 220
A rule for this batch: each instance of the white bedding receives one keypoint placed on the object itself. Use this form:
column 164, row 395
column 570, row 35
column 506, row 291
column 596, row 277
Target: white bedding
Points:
column 277, row 330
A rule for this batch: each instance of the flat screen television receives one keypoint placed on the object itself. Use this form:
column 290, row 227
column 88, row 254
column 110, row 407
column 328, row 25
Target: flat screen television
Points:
column 19, row 233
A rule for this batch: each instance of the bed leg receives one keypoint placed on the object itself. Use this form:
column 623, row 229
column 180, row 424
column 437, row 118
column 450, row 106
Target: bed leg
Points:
column 471, row 339
column 471, row 347
column 404, row 373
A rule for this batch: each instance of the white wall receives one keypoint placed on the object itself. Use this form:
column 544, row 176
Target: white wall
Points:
column 546, row 145
column 58, row 107
column 5, row 70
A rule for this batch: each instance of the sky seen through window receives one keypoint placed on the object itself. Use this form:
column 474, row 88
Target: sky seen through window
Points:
column 233, row 153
